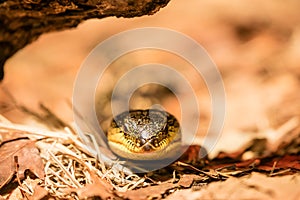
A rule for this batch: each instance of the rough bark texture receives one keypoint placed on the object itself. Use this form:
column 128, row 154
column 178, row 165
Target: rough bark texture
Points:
column 23, row 21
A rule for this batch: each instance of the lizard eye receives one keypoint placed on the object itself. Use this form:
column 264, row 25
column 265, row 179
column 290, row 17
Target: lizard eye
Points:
column 125, row 129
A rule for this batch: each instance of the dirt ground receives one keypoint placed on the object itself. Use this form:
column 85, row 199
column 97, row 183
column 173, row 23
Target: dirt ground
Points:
column 254, row 44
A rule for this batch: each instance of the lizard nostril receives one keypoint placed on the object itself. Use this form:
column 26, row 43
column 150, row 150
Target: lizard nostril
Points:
column 147, row 147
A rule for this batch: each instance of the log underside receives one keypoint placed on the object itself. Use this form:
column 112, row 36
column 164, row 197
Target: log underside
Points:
column 23, row 21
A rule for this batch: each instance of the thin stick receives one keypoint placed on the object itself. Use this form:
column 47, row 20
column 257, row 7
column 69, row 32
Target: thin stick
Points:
column 273, row 168
column 75, row 182
column 59, row 177
column 194, row 168
column 137, row 183
column 281, row 172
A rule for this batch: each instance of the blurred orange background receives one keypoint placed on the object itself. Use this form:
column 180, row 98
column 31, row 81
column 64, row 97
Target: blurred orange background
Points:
column 255, row 44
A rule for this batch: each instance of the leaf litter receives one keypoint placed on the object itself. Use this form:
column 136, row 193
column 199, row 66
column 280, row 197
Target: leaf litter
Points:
column 61, row 167
column 17, row 156
column 62, row 170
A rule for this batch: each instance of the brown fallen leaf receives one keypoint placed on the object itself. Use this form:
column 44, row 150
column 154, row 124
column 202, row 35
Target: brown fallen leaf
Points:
column 27, row 156
column 151, row 192
column 186, row 180
column 99, row 188
column 158, row 191
column 194, row 154
column 39, row 193
column 256, row 186
column 284, row 162
column 29, row 189
column 16, row 194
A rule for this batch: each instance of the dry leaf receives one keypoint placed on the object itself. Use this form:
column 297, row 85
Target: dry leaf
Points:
column 256, row 186
column 285, row 162
column 194, row 154
column 151, row 192
column 15, row 194
column 22, row 152
column 158, row 191
column 187, row 179
column 99, row 188
column 39, row 193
